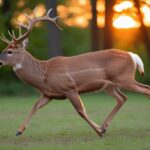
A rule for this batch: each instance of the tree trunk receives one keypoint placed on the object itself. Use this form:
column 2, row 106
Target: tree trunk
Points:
column 6, row 8
column 94, row 28
column 54, row 43
column 143, row 29
column 108, row 30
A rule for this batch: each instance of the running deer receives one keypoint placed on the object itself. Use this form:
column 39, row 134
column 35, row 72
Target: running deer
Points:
column 67, row 77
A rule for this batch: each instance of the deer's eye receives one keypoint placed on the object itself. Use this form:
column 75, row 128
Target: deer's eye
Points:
column 9, row 52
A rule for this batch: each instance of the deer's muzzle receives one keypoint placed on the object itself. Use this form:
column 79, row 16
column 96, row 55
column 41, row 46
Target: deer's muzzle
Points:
column 1, row 63
column 1, row 59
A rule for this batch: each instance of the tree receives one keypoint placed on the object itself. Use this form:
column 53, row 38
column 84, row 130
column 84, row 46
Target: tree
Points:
column 5, row 9
column 94, row 28
column 55, row 48
column 143, row 28
column 108, row 29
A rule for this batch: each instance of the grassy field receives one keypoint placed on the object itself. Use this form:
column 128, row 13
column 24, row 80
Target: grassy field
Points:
column 58, row 127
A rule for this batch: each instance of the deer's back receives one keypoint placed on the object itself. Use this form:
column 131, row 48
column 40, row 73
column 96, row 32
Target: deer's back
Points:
column 86, row 69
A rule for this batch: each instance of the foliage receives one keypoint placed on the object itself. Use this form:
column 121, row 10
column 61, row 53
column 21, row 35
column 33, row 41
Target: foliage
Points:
column 17, row 88
column 59, row 127
column 75, row 41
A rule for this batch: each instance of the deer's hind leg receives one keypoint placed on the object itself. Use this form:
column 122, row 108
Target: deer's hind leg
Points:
column 132, row 85
column 120, row 98
column 76, row 101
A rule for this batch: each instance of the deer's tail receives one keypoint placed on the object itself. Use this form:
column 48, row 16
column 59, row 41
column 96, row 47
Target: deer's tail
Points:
column 138, row 62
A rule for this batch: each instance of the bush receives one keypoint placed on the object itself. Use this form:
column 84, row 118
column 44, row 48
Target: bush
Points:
column 16, row 88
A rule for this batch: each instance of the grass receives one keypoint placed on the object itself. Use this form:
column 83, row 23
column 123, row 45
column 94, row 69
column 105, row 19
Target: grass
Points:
column 58, row 127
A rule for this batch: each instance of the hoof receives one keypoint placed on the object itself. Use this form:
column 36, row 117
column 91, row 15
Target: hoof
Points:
column 18, row 133
column 103, row 130
column 101, row 134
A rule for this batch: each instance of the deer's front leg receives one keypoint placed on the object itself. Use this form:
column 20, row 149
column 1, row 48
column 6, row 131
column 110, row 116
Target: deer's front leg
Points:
column 40, row 103
column 74, row 98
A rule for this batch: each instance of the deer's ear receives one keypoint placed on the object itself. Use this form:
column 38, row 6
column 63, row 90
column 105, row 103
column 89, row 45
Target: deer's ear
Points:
column 25, row 43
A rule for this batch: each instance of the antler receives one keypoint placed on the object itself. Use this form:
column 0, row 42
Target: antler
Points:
column 29, row 26
column 12, row 35
column 3, row 38
column 33, row 21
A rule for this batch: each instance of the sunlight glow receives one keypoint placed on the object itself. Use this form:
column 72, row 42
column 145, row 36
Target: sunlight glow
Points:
column 100, row 7
column 21, row 3
column 79, row 13
column 146, row 11
column 100, row 21
column 63, row 11
column 123, row 5
column 81, row 21
column 125, row 22
column 82, row 2
column 75, row 13
column 147, row 1
column 41, row 10
column 19, row 16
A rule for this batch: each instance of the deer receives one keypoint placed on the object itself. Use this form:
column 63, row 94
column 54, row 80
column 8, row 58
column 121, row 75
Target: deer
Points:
column 63, row 77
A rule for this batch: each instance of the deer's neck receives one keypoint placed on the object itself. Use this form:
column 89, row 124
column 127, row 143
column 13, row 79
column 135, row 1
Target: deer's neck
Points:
column 30, row 70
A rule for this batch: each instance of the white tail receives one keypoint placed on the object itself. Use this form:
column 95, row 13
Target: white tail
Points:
column 138, row 62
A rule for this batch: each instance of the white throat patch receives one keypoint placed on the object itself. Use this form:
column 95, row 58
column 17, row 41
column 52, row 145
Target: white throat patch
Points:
column 17, row 67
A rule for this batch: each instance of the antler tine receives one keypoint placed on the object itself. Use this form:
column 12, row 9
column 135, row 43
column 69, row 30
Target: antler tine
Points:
column 4, row 39
column 34, row 12
column 22, row 25
column 27, row 16
column 53, row 19
column 20, row 31
column 49, row 11
column 11, row 35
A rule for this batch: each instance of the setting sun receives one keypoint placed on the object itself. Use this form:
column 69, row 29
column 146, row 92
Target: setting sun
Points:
column 125, row 22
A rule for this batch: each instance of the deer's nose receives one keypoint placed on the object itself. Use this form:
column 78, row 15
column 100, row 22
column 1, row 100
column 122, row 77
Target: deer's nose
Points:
column 1, row 63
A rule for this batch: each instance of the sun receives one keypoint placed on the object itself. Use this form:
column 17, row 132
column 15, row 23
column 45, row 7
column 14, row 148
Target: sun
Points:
column 125, row 22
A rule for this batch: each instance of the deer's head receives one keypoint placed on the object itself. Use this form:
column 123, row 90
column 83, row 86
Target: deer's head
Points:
column 16, row 48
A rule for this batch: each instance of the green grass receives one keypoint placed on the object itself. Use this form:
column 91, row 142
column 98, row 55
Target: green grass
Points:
column 58, row 127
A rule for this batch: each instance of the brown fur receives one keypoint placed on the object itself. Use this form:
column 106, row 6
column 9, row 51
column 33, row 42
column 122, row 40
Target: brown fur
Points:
column 86, row 72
